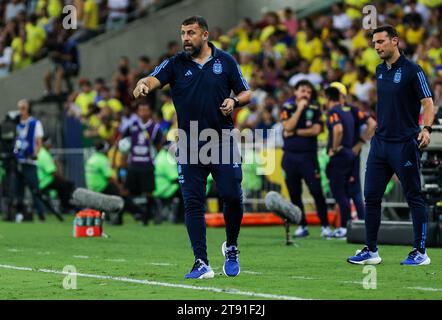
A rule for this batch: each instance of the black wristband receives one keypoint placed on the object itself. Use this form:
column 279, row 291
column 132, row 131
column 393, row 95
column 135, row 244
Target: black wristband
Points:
column 429, row 129
column 235, row 100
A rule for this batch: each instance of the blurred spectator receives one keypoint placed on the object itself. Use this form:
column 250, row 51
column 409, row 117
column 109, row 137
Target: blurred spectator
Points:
column 145, row 136
column 53, row 8
column 117, row 16
column 13, row 8
column 308, row 44
column 215, row 34
column 108, row 128
column 86, row 97
column 89, row 22
column 167, row 188
column 266, row 122
column 341, row 20
column 50, row 177
column 64, row 57
column 5, row 59
column 99, row 179
column 144, row 69
column 35, row 38
column 363, row 85
column 19, row 57
column 167, row 109
column 173, row 47
column 99, row 85
column 107, row 100
column 122, row 81
column 290, row 22
column 303, row 73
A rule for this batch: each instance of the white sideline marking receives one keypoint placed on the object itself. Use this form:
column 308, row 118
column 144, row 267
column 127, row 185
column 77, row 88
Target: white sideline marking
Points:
column 424, row 289
column 81, row 257
column 160, row 284
column 251, row 272
column 16, row 268
column 14, row 250
column 161, row 264
column 116, row 260
column 303, row 278
column 352, row 282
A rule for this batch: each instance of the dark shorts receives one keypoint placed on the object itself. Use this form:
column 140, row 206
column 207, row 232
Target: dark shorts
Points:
column 140, row 180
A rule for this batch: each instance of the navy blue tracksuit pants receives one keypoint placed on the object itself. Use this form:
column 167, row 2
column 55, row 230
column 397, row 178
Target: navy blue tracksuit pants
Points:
column 298, row 166
column 384, row 159
column 339, row 172
column 356, row 190
column 193, row 178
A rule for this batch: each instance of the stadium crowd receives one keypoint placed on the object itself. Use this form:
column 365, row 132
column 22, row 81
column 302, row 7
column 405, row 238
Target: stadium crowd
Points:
column 29, row 29
column 274, row 54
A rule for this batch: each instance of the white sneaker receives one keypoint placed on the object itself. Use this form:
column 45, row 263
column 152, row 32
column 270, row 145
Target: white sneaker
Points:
column 340, row 233
column 301, row 232
column 326, row 232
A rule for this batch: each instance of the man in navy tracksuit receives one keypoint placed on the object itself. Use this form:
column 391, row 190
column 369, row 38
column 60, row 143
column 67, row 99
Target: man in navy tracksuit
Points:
column 302, row 125
column 201, row 79
column 402, row 89
column 364, row 130
column 340, row 124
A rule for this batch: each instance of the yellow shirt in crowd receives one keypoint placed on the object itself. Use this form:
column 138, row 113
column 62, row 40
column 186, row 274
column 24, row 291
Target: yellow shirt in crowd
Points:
column 168, row 110
column 54, row 7
column 310, row 49
column 244, row 44
column 84, row 99
column 18, row 62
column 91, row 11
column 113, row 103
column 414, row 37
column 35, row 38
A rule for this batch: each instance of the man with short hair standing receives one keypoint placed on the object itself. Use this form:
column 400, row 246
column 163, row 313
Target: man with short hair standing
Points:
column 201, row 79
column 28, row 142
column 402, row 89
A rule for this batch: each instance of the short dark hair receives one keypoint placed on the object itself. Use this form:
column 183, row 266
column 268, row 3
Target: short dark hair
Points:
column 144, row 59
column 391, row 31
column 200, row 21
column 143, row 102
column 332, row 94
column 302, row 83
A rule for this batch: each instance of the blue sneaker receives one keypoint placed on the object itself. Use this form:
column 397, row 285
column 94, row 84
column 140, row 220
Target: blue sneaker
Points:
column 231, row 263
column 415, row 258
column 301, row 232
column 365, row 256
column 200, row 270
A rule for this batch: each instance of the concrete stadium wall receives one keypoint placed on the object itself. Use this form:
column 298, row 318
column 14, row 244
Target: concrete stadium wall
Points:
column 147, row 36
column 255, row 8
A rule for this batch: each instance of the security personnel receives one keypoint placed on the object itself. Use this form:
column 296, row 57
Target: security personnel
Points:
column 402, row 90
column 364, row 130
column 340, row 124
column 301, row 121
column 201, row 80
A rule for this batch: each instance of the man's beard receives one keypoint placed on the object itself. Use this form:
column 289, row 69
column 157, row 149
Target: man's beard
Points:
column 194, row 51
column 387, row 56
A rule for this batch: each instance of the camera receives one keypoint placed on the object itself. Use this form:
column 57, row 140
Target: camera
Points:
column 8, row 134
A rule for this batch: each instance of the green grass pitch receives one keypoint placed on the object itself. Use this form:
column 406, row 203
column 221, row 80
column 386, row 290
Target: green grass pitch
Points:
column 137, row 262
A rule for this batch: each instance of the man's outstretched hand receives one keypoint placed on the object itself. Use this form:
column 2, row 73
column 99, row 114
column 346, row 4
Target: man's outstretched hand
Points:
column 141, row 90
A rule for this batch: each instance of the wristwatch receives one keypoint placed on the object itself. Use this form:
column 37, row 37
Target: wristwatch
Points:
column 236, row 101
column 429, row 129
